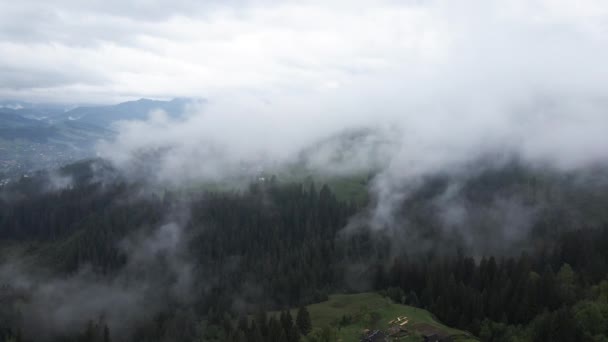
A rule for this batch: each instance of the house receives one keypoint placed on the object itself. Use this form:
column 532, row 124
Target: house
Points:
column 375, row 336
column 396, row 331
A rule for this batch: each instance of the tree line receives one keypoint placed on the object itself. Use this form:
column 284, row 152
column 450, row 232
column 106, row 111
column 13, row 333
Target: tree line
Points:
column 275, row 246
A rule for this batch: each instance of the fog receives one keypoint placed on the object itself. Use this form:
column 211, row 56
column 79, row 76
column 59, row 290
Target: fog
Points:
column 455, row 81
column 157, row 272
column 451, row 85
column 402, row 90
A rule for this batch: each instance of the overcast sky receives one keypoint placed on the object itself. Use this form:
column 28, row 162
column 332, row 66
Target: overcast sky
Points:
column 111, row 50
column 452, row 78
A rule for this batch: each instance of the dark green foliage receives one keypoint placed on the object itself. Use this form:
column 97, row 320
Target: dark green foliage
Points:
column 303, row 321
column 396, row 294
column 291, row 331
column 106, row 334
column 412, row 299
column 278, row 246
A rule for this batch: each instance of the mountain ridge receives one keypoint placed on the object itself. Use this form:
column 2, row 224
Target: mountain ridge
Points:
column 34, row 136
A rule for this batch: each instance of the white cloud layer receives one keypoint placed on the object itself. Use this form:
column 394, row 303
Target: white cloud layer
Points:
column 453, row 79
column 103, row 51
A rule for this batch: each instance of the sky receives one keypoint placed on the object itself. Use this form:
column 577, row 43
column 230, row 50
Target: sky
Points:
column 445, row 81
column 108, row 51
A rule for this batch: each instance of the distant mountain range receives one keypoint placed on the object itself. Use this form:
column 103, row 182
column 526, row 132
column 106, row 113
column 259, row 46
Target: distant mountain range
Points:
column 32, row 110
column 16, row 127
column 132, row 110
column 97, row 115
column 42, row 135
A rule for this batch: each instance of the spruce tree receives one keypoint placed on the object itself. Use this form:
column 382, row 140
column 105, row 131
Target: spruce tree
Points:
column 106, row 334
column 286, row 320
column 303, row 321
column 412, row 299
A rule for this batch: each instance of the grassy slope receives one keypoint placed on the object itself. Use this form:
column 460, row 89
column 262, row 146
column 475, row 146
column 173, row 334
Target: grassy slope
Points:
column 347, row 188
column 351, row 188
column 361, row 305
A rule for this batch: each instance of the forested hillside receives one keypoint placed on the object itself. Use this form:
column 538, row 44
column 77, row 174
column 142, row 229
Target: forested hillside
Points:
column 97, row 257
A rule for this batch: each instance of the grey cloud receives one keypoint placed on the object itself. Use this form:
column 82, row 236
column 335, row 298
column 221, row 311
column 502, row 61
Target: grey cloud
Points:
column 84, row 24
column 25, row 79
column 275, row 49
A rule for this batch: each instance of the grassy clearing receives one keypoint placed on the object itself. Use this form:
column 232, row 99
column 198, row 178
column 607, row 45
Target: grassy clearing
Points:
column 372, row 311
column 353, row 189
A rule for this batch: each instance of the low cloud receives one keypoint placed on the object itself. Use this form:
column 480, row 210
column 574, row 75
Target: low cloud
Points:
column 157, row 272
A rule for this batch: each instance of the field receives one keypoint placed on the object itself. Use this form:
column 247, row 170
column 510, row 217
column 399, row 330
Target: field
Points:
column 372, row 311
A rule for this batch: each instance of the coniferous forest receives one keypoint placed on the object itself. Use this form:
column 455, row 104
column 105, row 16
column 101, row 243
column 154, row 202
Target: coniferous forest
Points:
column 134, row 265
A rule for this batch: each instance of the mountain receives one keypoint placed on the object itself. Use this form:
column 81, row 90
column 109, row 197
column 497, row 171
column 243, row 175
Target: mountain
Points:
column 17, row 127
column 102, row 115
column 10, row 118
column 27, row 144
column 36, row 136
column 131, row 110
column 37, row 111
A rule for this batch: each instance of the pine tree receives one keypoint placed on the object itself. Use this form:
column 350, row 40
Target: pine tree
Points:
column 275, row 331
column 261, row 321
column 106, row 334
column 293, row 335
column 303, row 321
column 286, row 320
column 242, row 324
column 254, row 334
column 240, row 336
column 412, row 299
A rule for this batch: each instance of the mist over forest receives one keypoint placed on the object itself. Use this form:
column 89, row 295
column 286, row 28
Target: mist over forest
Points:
column 322, row 171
